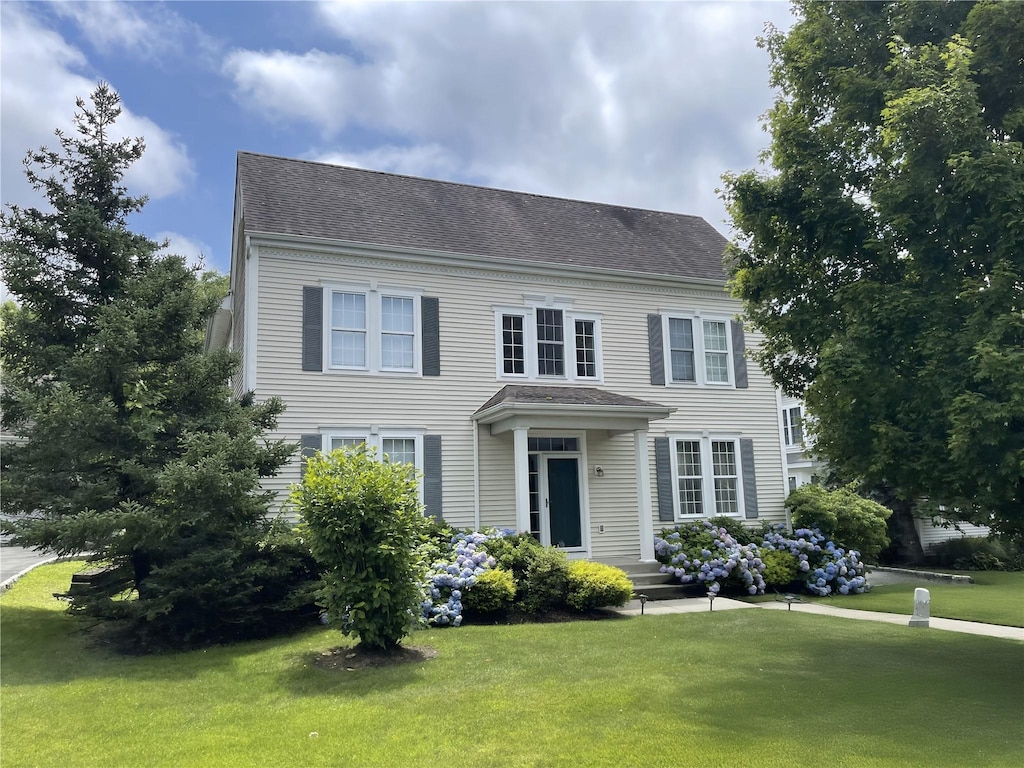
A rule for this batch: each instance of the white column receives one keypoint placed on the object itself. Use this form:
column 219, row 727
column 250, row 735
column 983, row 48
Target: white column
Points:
column 520, row 448
column 643, row 494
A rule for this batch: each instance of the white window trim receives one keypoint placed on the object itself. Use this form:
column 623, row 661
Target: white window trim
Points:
column 374, row 437
column 374, row 294
column 699, row 360
column 569, row 318
column 707, row 473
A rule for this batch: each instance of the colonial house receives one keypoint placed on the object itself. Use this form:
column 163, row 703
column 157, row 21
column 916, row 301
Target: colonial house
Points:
column 567, row 368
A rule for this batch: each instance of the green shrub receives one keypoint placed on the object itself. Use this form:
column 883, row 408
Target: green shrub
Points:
column 780, row 568
column 545, row 583
column 975, row 553
column 515, row 554
column 365, row 528
column 494, row 590
column 592, row 585
column 844, row 517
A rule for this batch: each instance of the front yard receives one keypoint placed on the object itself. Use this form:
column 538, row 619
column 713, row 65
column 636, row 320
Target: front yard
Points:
column 764, row 688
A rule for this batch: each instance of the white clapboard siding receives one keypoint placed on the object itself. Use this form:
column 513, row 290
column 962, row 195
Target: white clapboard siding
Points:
column 444, row 405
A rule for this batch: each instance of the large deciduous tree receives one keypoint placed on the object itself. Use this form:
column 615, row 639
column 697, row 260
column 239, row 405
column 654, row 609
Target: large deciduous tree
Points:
column 131, row 446
column 882, row 255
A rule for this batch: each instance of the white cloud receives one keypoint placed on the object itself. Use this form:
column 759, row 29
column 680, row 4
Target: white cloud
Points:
column 196, row 254
column 41, row 75
column 636, row 104
column 430, row 160
column 150, row 31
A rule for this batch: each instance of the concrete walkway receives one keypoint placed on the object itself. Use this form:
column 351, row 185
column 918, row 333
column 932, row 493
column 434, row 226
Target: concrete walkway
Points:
column 703, row 605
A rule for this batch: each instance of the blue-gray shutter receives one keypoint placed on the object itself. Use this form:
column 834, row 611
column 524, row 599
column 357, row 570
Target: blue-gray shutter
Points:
column 312, row 328
column 749, row 480
column 739, row 359
column 430, row 327
column 432, row 476
column 654, row 342
column 309, row 445
column 663, row 473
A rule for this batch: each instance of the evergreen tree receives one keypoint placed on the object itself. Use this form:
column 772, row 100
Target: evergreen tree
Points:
column 883, row 257
column 132, row 446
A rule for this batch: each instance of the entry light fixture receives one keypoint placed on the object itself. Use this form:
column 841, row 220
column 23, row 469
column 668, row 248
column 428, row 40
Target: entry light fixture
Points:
column 599, row 471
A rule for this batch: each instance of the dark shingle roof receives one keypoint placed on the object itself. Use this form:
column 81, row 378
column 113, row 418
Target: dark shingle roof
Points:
column 298, row 197
column 545, row 395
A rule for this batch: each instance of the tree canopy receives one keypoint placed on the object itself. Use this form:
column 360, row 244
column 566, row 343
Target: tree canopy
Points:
column 132, row 447
column 882, row 254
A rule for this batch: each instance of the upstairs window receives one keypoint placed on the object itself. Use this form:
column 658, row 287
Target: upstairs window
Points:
column 375, row 331
column 792, row 426
column 548, row 343
column 697, row 350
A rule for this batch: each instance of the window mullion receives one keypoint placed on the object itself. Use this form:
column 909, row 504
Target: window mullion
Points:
column 707, row 477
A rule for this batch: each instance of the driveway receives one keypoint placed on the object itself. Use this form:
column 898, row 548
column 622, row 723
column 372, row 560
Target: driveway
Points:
column 14, row 560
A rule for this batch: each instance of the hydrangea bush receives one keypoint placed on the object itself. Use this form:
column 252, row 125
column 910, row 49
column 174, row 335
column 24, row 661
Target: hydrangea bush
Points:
column 448, row 577
column 703, row 553
column 824, row 566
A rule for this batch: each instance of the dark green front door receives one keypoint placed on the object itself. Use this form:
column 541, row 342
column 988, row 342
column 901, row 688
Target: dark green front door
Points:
column 564, row 501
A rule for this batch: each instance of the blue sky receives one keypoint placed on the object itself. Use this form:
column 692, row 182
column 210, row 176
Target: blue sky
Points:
column 640, row 104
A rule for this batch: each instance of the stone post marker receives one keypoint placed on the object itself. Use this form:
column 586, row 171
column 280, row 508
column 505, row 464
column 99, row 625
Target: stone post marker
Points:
column 922, row 608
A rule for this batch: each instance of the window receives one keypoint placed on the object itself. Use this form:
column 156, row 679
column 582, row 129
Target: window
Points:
column 548, row 343
column 792, row 483
column 698, row 350
column 513, row 345
column 792, row 426
column 374, row 331
column 706, row 472
column 400, row 446
column 550, row 347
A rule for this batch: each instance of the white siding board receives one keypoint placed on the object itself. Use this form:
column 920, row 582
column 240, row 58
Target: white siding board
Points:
column 445, row 404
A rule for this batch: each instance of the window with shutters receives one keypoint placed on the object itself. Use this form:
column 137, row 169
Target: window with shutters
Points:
column 377, row 331
column 698, row 350
column 706, row 476
column 554, row 343
column 397, row 445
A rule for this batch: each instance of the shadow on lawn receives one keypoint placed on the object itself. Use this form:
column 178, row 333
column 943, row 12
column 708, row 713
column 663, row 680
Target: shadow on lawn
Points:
column 42, row 646
column 306, row 675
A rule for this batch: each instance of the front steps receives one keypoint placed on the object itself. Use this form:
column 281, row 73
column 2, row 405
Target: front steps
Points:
column 648, row 580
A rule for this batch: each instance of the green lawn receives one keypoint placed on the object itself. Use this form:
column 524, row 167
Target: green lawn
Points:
column 994, row 598
column 765, row 688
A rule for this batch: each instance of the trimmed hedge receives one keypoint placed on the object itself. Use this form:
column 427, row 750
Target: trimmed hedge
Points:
column 593, row 585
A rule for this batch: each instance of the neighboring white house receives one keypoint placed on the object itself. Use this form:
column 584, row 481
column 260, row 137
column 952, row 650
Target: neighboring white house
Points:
column 801, row 465
column 568, row 368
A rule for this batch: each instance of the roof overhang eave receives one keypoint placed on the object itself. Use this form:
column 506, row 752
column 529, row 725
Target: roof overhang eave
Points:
column 505, row 417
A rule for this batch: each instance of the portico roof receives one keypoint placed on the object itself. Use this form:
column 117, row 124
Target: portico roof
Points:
column 538, row 406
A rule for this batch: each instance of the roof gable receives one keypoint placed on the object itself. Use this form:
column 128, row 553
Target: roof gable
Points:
column 298, row 197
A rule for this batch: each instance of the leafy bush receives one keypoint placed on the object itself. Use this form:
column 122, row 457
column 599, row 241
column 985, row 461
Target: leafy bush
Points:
column 365, row 523
column 546, row 582
column 780, row 568
column 514, row 552
column 493, row 591
column 842, row 516
column 976, row 554
column 592, row 585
